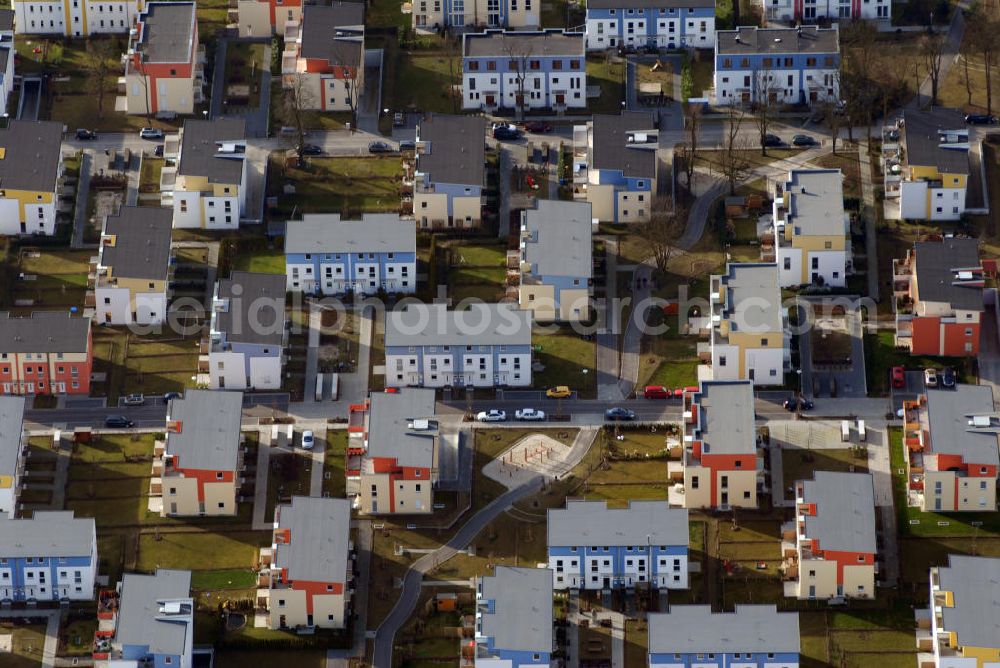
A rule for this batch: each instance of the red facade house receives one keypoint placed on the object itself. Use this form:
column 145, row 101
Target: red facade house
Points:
column 45, row 353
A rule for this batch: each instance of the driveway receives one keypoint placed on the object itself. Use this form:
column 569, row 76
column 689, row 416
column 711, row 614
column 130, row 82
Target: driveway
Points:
column 849, row 377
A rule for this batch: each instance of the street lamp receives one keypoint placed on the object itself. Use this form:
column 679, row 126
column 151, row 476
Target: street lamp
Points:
column 798, row 400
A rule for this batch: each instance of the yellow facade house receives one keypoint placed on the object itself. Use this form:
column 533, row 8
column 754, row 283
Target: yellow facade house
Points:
column 30, row 169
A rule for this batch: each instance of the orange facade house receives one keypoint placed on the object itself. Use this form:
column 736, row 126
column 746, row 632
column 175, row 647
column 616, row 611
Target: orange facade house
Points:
column 45, row 353
column 323, row 64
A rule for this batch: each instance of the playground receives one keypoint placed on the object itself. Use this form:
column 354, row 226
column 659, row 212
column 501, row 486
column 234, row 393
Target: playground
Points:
column 533, row 455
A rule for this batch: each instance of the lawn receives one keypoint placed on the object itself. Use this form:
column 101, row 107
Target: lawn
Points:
column 669, row 361
column 149, row 177
column 568, row 359
column 158, row 365
column 261, row 261
column 334, row 463
column 53, row 278
column 243, row 65
column 272, row 659
column 798, row 464
column 724, row 15
column 829, row 346
column 26, row 645
column 348, row 186
column 203, row 551
column 610, row 76
column 289, row 476
column 953, row 91
column 478, row 254
column 423, row 81
column 77, row 637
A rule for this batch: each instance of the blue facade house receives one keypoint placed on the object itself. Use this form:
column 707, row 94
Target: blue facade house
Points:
column 514, row 618
column 153, row 622
column 591, row 546
column 661, row 24
column 780, row 65
column 754, row 636
column 325, row 255
column 615, row 165
column 50, row 557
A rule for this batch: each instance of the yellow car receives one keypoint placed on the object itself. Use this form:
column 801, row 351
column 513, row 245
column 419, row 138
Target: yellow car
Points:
column 558, row 392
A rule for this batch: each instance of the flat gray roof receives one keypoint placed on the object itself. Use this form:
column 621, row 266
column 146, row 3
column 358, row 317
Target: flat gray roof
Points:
column 696, row 629
column 845, row 511
column 6, row 20
column 536, row 44
column 454, row 148
column 320, row 532
column 561, row 239
column 522, row 616
column 479, row 325
column 11, row 431
column 949, row 413
column 44, row 332
column 726, row 417
column 923, row 131
column 142, row 242
column 209, row 438
column 256, row 311
column 142, row 617
column 48, row 533
column 168, row 32
column 937, row 264
column 753, row 301
column 328, row 233
column 590, row 523
column 975, row 584
column 401, row 425
column 751, row 39
column 31, row 155
column 816, row 201
column 619, row 143
column 200, row 154
column 334, row 32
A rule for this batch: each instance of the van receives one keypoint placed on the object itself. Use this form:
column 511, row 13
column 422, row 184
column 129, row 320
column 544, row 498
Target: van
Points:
column 845, row 431
column 656, row 392
column 861, row 431
column 319, row 387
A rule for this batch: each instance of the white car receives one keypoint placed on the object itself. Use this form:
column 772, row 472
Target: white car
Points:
column 151, row 133
column 307, row 440
column 529, row 414
column 931, row 377
column 492, row 415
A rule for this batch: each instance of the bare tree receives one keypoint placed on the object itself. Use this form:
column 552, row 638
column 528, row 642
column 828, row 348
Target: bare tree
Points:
column 298, row 108
column 519, row 52
column 833, row 117
column 735, row 162
column 765, row 100
column 99, row 63
column 352, row 86
column 982, row 39
column 932, row 53
column 666, row 223
column 859, row 60
column 692, row 118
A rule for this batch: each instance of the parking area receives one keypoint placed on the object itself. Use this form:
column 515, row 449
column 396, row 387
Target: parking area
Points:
column 832, row 351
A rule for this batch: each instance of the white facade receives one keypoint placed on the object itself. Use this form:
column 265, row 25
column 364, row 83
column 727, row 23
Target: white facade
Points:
column 764, row 365
column 218, row 213
column 40, row 584
column 479, row 369
column 783, row 11
column 114, row 306
column 830, row 264
column 919, row 201
column 671, row 32
column 75, row 18
column 542, row 90
column 336, row 278
column 228, row 370
column 734, row 85
column 39, row 218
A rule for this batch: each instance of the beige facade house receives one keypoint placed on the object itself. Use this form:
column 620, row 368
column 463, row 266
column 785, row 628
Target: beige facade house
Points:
column 199, row 465
column 451, row 171
column 323, row 65
column 263, row 18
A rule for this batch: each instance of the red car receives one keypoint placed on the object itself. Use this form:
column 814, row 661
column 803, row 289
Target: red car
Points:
column 898, row 375
column 537, row 126
column 392, row 390
column 656, row 392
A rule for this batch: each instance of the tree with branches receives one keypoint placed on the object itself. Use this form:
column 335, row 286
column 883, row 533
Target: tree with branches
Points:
column 833, row 118
column 298, row 108
column 735, row 162
column 692, row 122
column 99, row 61
column 519, row 53
column 765, row 91
column 932, row 55
column 982, row 39
column 666, row 223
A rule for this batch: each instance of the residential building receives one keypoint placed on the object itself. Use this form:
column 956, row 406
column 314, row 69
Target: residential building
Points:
column 200, row 463
column 834, row 529
column 392, row 454
column 720, row 467
column 263, row 18
column 812, row 234
column 451, row 171
column 148, row 621
column 752, row 636
column 205, row 176
column 326, row 255
column 925, row 159
column 30, row 168
column 48, row 352
column 524, row 70
column 310, row 564
column 789, row 12
column 485, row 345
column 782, row 65
column 13, row 443
column 591, row 546
column 615, row 164
column 938, row 290
column 748, row 340
column 962, row 626
column 7, row 59
column 437, row 14
column 514, row 618
column 324, row 60
column 555, row 262
column 133, row 268
column 81, row 18
column 247, row 335
column 952, row 459
column 164, row 64
column 50, row 557
column 662, row 24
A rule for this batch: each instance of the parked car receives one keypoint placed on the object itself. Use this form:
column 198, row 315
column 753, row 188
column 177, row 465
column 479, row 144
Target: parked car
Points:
column 134, row 400
column 948, row 377
column 538, row 126
column 398, row 119
column 771, row 141
column 118, row 422
column 379, row 147
column 656, row 392
column 803, row 140
column 930, row 377
column 85, row 134
column 529, row 414
column 898, row 375
column 311, row 149
column 492, row 415
column 150, row 133
column 307, row 440
column 158, row 151
column 794, row 404
column 980, row 119
column 619, row 413
column 167, row 396
column 391, row 390
column 505, row 131
column 558, row 392
column 407, row 145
